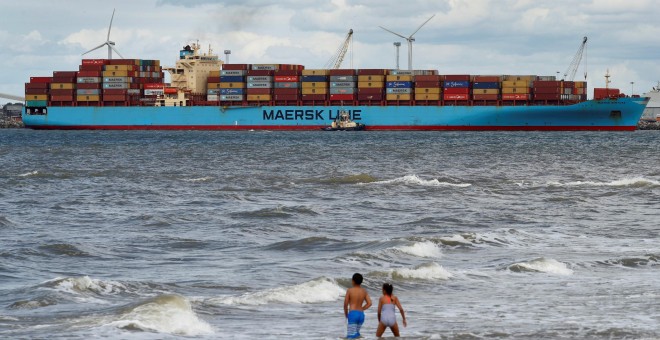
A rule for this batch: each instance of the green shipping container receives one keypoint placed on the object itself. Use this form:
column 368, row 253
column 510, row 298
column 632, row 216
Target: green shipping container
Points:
column 36, row 103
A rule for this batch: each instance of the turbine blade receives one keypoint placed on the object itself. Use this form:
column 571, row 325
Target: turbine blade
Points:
column 420, row 26
column 397, row 34
column 114, row 49
column 110, row 27
column 95, row 48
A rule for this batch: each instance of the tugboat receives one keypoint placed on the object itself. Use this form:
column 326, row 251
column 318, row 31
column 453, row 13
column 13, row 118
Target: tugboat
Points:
column 343, row 122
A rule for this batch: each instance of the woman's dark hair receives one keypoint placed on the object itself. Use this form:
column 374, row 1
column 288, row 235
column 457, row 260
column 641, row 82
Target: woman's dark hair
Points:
column 388, row 288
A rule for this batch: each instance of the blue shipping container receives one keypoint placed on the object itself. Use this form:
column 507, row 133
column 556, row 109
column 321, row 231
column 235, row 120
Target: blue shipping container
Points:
column 37, row 103
column 398, row 84
column 314, row 79
column 232, row 79
column 226, row 92
column 485, row 85
column 460, row 84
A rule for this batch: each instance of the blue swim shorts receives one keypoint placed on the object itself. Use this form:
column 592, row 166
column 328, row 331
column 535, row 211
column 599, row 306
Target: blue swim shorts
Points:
column 355, row 321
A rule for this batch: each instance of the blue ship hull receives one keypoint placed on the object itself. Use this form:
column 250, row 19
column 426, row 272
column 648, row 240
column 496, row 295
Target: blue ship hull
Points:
column 607, row 114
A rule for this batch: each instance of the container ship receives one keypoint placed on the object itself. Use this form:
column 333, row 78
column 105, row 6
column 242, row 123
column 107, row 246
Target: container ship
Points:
column 204, row 93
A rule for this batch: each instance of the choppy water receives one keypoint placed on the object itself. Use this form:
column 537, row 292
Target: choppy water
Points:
column 151, row 235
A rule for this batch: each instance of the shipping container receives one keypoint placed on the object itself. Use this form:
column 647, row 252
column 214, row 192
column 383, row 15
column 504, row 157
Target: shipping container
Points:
column 89, row 74
column 286, row 97
column 120, row 68
column 288, row 85
column 64, row 92
column 231, row 85
column 118, row 73
column 234, row 91
column 264, row 67
column 260, row 79
column 343, row 78
column 427, row 96
column 36, row 97
column 337, row 97
column 456, row 83
column 370, row 84
column 229, row 79
column 230, row 73
column 88, row 86
column 457, row 90
column 36, row 103
column 43, row 80
column 37, row 85
column 100, row 62
column 117, row 79
column 67, row 74
column 232, row 97
column 286, row 91
column 487, row 79
column 154, row 92
column 398, row 84
column 546, row 78
column 485, row 85
column 448, row 96
column 114, row 92
column 371, row 78
column 312, row 96
column 396, row 96
column 510, row 90
column 490, row 97
column 37, row 91
column 400, row 90
column 154, row 86
column 314, row 78
column 312, row 72
column 88, row 80
column 425, row 78
column 115, row 86
column 212, row 97
column 258, row 73
column 294, row 72
column 235, row 67
column 515, row 96
column 87, row 98
column 372, row 72
column 457, row 77
column 428, row 90
column 370, row 96
column 68, row 98
column 486, row 91
column 343, row 84
column 64, row 79
column 258, row 97
column 547, row 83
column 286, row 79
column 306, row 85
column 343, row 90
column 85, row 92
column 260, row 85
column 258, row 91
column 401, row 72
column 547, row 96
column 519, row 78
column 341, row 72
column 370, row 90
column 556, row 90
column 64, row 86
column 428, row 84
column 394, row 78
column 211, row 79
column 515, row 83
column 114, row 98
column 91, row 68
column 317, row 90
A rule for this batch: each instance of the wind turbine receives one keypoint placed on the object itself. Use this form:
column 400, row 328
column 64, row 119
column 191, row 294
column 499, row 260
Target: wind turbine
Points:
column 409, row 39
column 110, row 44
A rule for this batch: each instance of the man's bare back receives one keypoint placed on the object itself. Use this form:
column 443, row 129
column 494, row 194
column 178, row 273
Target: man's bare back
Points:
column 355, row 297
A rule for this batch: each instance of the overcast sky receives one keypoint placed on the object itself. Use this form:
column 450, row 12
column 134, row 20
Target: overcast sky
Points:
column 537, row 37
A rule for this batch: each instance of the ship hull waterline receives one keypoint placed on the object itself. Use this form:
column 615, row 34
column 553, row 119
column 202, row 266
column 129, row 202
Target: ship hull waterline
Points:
column 621, row 114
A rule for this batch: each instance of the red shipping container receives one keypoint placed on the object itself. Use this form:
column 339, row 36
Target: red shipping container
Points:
column 285, row 91
column 342, row 72
column 424, row 78
column 90, row 67
column 94, row 61
column 283, row 79
column 89, row 74
column 134, row 86
column 487, row 79
column 313, row 97
column 457, row 77
column 235, row 66
column 555, row 90
column 371, row 72
column 64, row 80
column 122, row 62
column 114, row 97
column 547, row 83
column 69, row 74
column 601, row 93
column 154, row 86
column 286, row 97
column 546, row 96
column 61, row 98
column 41, row 80
column 258, row 91
column 115, row 92
column 37, row 86
column 293, row 72
column 427, row 84
column 370, row 96
column 260, row 72
column 457, row 90
column 342, row 96
column 569, row 84
column 88, row 86
column 456, row 96
column 370, row 90
column 36, row 91
column 213, row 79
column 485, row 97
column 515, row 96
column 61, row 92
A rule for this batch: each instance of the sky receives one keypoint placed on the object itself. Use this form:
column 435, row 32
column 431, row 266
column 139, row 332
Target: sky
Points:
column 538, row 37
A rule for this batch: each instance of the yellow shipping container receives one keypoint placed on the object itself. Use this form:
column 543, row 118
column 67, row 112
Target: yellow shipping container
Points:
column 317, row 72
column 428, row 90
column 88, row 98
column 512, row 90
column 371, row 84
column 258, row 97
column 400, row 78
column 393, row 96
column 371, row 78
column 486, row 91
column 62, row 86
column 519, row 78
column 424, row 96
column 310, row 85
column 36, row 97
column 118, row 68
column 229, row 85
column 580, row 84
column 318, row 90
column 214, row 74
column 515, row 83
column 115, row 73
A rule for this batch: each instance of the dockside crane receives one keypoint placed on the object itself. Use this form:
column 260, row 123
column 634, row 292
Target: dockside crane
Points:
column 337, row 58
column 569, row 75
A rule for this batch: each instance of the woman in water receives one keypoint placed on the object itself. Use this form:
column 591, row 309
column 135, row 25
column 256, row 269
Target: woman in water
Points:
column 386, row 316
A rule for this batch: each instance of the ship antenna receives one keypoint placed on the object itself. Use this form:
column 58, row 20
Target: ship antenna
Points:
column 607, row 79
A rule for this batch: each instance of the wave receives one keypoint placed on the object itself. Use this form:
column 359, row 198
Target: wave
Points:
column 421, row 249
column 430, row 271
column 63, row 249
column 635, row 182
column 314, row 291
column 277, row 212
column 32, row 304
column 200, row 179
column 84, row 285
column 169, row 313
column 308, row 244
column 350, row 179
column 28, row 174
column 634, row 262
column 541, row 265
column 415, row 180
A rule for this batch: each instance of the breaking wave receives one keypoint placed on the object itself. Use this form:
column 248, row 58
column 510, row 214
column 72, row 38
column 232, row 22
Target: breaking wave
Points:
column 430, row 271
column 421, row 249
column 634, row 262
column 84, row 285
column 200, row 179
column 541, row 265
column 635, row 182
column 315, row 291
column 170, row 314
column 415, row 180
column 28, row 174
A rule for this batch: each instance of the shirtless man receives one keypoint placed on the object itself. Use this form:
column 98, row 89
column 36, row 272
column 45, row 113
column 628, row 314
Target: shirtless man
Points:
column 355, row 297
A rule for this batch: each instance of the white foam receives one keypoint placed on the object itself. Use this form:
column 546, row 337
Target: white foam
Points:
column 315, row 291
column 84, row 284
column 421, row 249
column 543, row 265
column 415, row 180
column 633, row 181
column 200, row 179
column 170, row 314
column 427, row 271
column 31, row 173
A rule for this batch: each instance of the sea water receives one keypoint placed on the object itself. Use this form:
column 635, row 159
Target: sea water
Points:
column 252, row 235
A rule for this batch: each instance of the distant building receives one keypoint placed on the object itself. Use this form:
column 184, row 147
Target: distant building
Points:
column 12, row 110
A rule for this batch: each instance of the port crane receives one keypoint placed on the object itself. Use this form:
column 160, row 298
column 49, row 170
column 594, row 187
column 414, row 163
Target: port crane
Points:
column 569, row 75
column 337, row 58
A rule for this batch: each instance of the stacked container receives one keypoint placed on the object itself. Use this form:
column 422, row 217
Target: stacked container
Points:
column 260, row 82
column 232, row 86
column 213, row 86
column 580, row 91
column 399, row 85
column 287, row 85
column 343, row 85
column 486, row 88
column 88, row 82
column 517, row 87
column 547, row 90
column 428, row 87
column 371, row 84
column 456, row 87
column 63, row 87
column 314, row 85
column 37, row 92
